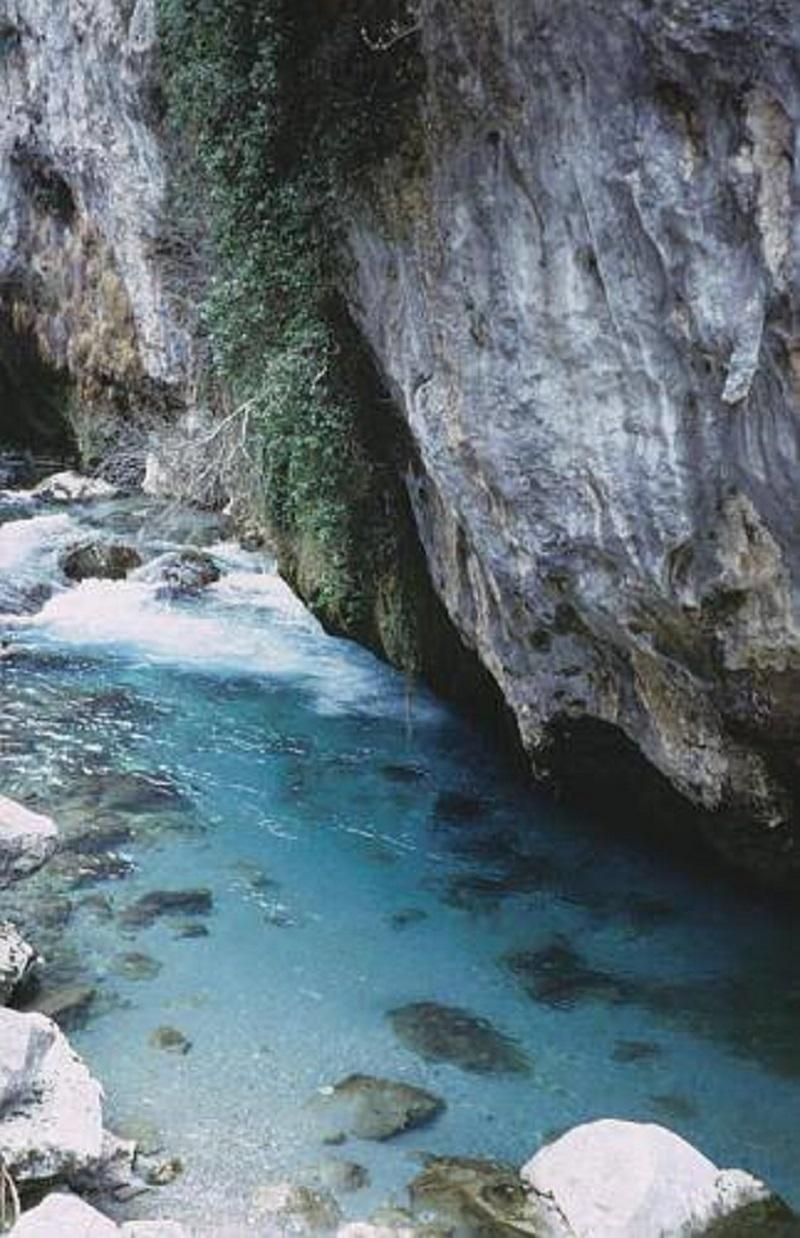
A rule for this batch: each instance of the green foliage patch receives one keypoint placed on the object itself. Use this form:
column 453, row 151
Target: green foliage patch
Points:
column 287, row 105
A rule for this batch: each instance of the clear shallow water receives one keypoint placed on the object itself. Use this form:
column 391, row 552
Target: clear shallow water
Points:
column 364, row 851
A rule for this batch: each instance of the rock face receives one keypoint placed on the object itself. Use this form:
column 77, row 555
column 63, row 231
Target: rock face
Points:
column 84, row 235
column 27, row 840
column 613, row 1179
column 582, row 289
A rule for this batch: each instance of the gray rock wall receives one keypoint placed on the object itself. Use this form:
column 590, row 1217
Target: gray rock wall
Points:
column 583, row 290
column 83, row 230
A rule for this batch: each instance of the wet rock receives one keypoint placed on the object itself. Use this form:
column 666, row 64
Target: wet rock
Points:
column 450, row 1034
column 183, row 572
column 151, row 907
column 98, row 560
column 98, row 905
column 478, row 1197
column 69, row 1005
column 403, row 774
column 69, row 487
column 162, row 1173
column 190, row 929
column 50, row 1113
column 378, row 1109
column 18, row 961
column 22, row 599
column 298, row 1209
column 99, row 839
column 635, row 1051
column 406, row 917
column 340, row 1176
column 636, row 1181
column 84, row 870
column 134, row 791
column 171, row 1040
column 135, row 965
column 456, row 808
column 27, row 840
column 559, row 976
column 674, row 1106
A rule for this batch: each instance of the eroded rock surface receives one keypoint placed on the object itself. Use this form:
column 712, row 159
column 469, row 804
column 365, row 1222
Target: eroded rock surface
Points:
column 581, row 282
column 17, row 961
column 27, row 840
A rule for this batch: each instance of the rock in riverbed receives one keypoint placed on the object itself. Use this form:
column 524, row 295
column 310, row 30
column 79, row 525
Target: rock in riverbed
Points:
column 17, row 961
column 182, row 572
column 450, row 1034
column 68, row 1216
column 69, row 487
column 150, row 907
column 51, row 1121
column 297, row 1209
column 372, row 1108
column 27, row 840
column 98, row 560
column 612, row 1179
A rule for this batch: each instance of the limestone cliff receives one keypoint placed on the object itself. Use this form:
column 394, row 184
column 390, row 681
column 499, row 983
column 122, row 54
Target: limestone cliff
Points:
column 584, row 293
column 83, row 237
column 578, row 276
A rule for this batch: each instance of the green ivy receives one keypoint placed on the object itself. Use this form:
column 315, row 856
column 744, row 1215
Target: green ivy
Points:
column 286, row 106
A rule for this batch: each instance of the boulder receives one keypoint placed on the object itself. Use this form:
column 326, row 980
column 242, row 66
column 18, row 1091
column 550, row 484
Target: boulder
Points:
column 17, row 961
column 66, row 1216
column 613, row 1179
column 51, row 1121
column 98, row 560
column 150, row 907
column 450, row 1034
column 27, row 840
column 182, row 572
column 479, row 1197
column 69, row 487
column 372, row 1108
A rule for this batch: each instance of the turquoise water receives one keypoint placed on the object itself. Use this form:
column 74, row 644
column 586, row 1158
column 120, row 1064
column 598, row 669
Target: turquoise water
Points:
column 365, row 849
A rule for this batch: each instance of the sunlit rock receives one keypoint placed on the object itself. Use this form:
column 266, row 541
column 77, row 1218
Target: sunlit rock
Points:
column 613, row 1179
column 27, row 840
column 64, row 1215
column 71, row 487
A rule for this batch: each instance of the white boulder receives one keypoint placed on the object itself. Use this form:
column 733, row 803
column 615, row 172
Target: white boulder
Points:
column 613, row 1179
column 69, row 487
column 64, row 1216
column 51, row 1120
column 27, row 839
column 17, row 960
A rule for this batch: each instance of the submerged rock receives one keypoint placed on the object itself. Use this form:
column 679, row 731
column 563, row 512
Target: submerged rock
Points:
column 633, row 1180
column 100, row 560
column 157, row 903
column 478, row 1197
column 27, row 840
column 135, row 965
column 171, row 1040
column 559, row 976
column 377, row 1109
column 69, row 1005
column 339, row 1176
column 635, row 1051
column 18, row 960
column 161, row 1173
column 298, row 1209
column 450, row 1034
column 69, row 487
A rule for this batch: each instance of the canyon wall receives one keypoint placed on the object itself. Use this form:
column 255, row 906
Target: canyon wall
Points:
column 85, row 242
column 583, row 290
